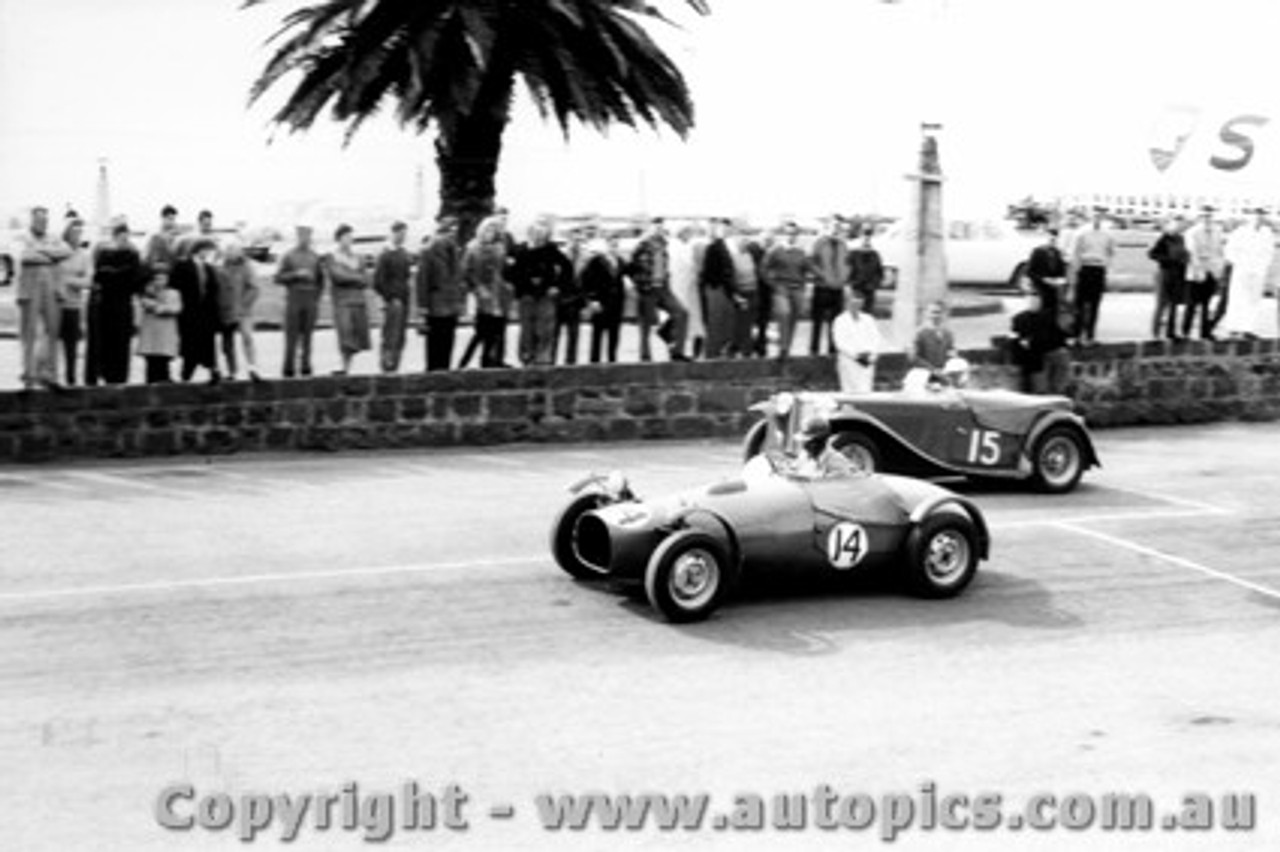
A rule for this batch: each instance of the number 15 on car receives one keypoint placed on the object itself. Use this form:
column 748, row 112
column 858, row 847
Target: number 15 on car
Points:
column 985, row 448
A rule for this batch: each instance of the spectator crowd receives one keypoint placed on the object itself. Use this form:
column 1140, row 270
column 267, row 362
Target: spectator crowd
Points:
column 709, row 290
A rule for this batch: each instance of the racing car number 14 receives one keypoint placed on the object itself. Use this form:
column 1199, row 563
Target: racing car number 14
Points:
column 846, row 545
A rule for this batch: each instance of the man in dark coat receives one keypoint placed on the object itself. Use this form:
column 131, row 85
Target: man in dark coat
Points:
column 718, row 282
column 1047, row 269
column 442, row 296
column 1171, row 256
column 197, row 280
column 604, row 287
column 1039, row 348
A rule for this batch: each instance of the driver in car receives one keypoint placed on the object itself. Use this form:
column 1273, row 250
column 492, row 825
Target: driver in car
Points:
column 818, row 459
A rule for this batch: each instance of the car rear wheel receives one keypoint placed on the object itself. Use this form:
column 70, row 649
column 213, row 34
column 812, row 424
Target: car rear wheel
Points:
column 942, row 555
column 859, row 449
column 687, row 576
column 1018, row 280
column 754, row 442
column 1057, row 460
column 564, row 530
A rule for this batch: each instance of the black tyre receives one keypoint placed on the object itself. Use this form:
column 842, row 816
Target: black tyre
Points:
column 942, row 555
column 754, row 442
column 1018, row 280
column 1057, row 460
column 688, row 576
column 563, row 531
column 858, row 448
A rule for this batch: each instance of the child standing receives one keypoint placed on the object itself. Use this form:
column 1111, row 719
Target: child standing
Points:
column 158, row 332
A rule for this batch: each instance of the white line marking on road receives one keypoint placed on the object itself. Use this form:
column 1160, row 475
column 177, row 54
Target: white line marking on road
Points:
column 1166, row 498
column 1176, row 560
column 257, row 579
column 1113, row 516
column 494, row 459
column 39, row 482
column 116, row 481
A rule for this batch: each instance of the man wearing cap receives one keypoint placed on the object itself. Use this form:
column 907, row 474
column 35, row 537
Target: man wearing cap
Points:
column 40, row 316
column 391, row 283
column 299, row 272
column 1094, row 251
column 442, row 296
column 1204, row 271
column 830, row 258
column 650, row 269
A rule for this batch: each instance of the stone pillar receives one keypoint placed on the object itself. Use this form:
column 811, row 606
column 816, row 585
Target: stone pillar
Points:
column 102, row 201
column 922, row 277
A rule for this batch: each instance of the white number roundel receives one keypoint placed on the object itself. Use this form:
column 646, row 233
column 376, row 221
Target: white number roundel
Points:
column 846, row 545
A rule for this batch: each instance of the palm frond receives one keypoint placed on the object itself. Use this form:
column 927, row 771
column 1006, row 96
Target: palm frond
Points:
column 450, row 61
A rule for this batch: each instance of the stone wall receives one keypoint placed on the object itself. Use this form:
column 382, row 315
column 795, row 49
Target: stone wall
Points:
column 1117, row 384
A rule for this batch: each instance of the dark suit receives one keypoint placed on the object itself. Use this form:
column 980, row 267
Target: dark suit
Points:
column 603, row 285
column 200, row 318
column 718, row 280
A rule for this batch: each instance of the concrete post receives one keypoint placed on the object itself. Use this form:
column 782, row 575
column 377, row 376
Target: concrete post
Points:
column 922, row 278
column 102, row 201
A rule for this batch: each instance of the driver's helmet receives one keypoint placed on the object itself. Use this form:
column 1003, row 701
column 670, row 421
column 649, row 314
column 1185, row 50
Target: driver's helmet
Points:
column 956, row 371
column 816, row 430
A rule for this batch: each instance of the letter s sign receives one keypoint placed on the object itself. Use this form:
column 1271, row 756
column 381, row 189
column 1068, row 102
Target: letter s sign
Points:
column 1234, row 138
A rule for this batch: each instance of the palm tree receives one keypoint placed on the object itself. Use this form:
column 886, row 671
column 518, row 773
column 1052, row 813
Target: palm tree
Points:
column 454, row 65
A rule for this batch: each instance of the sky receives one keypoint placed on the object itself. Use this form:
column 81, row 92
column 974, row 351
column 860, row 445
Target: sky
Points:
column 803, row 108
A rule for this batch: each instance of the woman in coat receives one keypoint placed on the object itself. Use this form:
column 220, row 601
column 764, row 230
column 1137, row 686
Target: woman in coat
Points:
column 196, row 278
column 484, row 273
column 350, row 287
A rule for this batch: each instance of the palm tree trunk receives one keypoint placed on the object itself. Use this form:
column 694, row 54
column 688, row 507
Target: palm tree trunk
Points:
column 467, row 153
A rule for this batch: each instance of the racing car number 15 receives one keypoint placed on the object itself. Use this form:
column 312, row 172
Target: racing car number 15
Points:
column 846, row 545
column 984, row 447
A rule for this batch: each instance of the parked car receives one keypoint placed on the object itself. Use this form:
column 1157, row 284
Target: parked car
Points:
column 982, row 252
column 691, row 548
column 939, row 431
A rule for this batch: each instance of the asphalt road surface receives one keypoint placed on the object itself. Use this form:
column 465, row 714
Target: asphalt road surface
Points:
column 288, row 625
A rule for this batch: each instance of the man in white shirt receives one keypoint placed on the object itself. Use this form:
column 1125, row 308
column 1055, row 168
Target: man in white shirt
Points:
column 1091, row 258
column 857, row 342
column 1250, row 249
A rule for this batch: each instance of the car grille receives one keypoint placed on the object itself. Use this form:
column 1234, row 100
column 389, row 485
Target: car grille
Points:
column 591, row 539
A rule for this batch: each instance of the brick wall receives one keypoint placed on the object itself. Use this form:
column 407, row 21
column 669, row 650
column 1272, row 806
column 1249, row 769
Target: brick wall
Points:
column 1147, row 382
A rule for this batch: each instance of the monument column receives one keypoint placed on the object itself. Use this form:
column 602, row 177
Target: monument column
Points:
column 922, row 277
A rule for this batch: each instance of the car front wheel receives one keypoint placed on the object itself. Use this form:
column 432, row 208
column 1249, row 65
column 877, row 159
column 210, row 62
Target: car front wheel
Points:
column 942, row 555
column 1057, row 460
column 687, row 576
